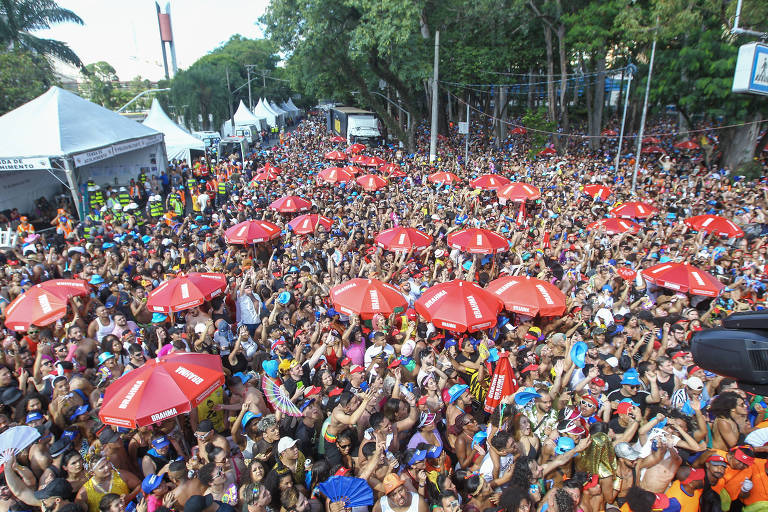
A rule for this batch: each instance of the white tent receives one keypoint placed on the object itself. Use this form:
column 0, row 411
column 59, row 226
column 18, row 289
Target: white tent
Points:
column 277, row 110
column 293, row 107
column 60, row 133
column 262, row 110
column 179, row 143
column 293, row 113
column 243, row 117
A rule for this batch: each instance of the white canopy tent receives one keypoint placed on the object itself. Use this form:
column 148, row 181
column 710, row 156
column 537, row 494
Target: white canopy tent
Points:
column 279, row 114
column 293, row 107
column 61, row 133
column 278, row 110
column 262, row 110
column 179, row 143
column 243, row 117
column 292, row 112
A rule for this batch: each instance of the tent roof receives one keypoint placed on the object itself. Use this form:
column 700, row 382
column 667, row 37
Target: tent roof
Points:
column 244, row 116
column 263, row 110
column 61, row 123
column 276, row 109
column 291, row 104
column 176, row 138
column 265, row 105
column 288, row 108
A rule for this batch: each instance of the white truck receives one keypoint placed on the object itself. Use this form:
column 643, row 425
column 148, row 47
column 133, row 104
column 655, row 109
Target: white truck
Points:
column 355, row 125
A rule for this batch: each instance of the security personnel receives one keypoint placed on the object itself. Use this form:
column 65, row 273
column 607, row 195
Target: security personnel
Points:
column 91, row 225
column 123, row 197
column 25, row 227
column 221, row 193
column 175, row 205
column 142, row 178
column 191, row 183
column 133, row 212
column 95, row 195
column 155, row 207
column 134, row 191
column 62, row 222
column 117, row 214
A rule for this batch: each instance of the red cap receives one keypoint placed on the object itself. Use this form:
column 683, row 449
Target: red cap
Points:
column 530, row 368
column 411, row 314
column 341, row 472
column 335, row 392
column 356, row 369
column 661, row 502
column 742, row 456
column 394, row 364
column 599, row 382
column 696, row 474
column 679, row 354
column 277, row 343
column 693, row 369
column 345, row 362
column 624, row 408
column 311, row 391
column 588, row 398
column 717, row 460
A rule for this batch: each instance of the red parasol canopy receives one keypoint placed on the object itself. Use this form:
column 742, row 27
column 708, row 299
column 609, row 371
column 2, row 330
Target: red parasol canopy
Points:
column 548, row 152
column 44, row 303
column 402, row 239
column 478, row 241
column 374, row 161
column 459, row 306
column 685, row 278
column 290, row 204
column 268, row 167
column 309, row 222
column 518, row 130
column 265, row 176
column 351, row 169
column 503, row 383
column 338, row 138
column 715, row 224
column 652, row 149
column 160, row 389
column 517, row 191
column 335, row 155
column 687, row 144
column 614, row 226
column 358, row 159
column 251, row 232
column 528, row 295
column 626, row 273
column 390, row 169
column 371, row 182
column 634, row 210
column 354, row 149
column 185, row 291
column 651, row 140
column 597, row 191
column 489, row 182
column 609, row 133
column 446, row 178
column 366, row 297
column 335, row 175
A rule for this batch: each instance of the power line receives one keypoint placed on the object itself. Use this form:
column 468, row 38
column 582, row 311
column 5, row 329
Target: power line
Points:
column 556, row 79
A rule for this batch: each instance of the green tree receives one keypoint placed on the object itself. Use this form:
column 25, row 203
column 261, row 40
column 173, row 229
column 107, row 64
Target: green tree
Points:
column 100, row 84
column 19, row 18
column 23, row 77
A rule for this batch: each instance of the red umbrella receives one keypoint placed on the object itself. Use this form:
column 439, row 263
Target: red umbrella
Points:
column 651, row 140
column 548, row 152
column 265, row 176
column 597, row 191
column 402, row 239
column 685, row 278
column 478, row 241
column 518, row 130
column 687, row 144
column 446, row 178
column 393, row 171
column 185, row 291
column 354, row 148
column 528, row 295
column 290, row 204
column 351, row 169
column 634, row 210
column 251, row 232
column 374, row 161
column 358, row 159
column 268, row 167
column 44, row 303
column 614, row 226
column 626, row 273
column 715, row 224
column 371, row 182
column 652, row 149
column 160, row 389
column 309, row 222
column 489, row 182
column 609, row 133
column 366, row 297
column 338, row 138
column 335, row 175
column 517, row 191
column 459, row 306
column 335, row 155
column 503, row 383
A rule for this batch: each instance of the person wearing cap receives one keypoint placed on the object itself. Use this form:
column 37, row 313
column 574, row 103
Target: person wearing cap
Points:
column 290, row 459
column 625, row 474
column 155, row 488
column 397, row 498
column 459, row 400
column 541, row 414
column 306, row 432
column 51, row 498
column 158, row 456
column 626, row 421
column 631, row 388
column 690, row 395
column 737, row 480
column 687, row 488
column 206, row 435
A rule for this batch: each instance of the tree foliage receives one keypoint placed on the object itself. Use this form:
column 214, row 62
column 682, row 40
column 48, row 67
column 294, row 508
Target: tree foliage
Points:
column 23, row 77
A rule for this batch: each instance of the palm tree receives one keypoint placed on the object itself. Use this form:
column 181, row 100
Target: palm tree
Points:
column 19, row 18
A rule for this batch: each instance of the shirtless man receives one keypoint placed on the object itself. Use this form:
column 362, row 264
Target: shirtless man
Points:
column 660, row 467
column 345, row 415
column 185, row 486
column 195, row 316
column 205, row 435
column 85, row 346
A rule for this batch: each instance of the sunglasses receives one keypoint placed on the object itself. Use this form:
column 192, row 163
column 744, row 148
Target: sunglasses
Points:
column 585, row 403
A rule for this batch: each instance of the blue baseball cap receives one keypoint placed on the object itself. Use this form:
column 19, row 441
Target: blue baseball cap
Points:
column 434, row 452
column 247, row 417
column 243, row 377
column 564, row 444
column 630, row 378
column 158, row 317
column 456, row 391
column 33, row 416
column 96, row 279
column 450, row 342
column 479, row 437
column 106, row 356
column 80, row 410
column 146, row 239
column 417, row 456
column 151, row 482
column 160, row 442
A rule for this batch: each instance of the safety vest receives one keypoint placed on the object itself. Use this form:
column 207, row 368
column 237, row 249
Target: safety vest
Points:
column 142, row 178
column 117, row 217
column 191, row 183
column 222, row 189
column 95, row 218
column 155, row 209
column 178, row 209
column 28, row 229
column 688, row 503
column 139, row 219
column 65, row 226
column 135, row 191
column 123, row 198
column 96, row 198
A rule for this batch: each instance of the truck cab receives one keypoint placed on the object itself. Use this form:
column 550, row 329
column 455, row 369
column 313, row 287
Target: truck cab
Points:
column 236, row 145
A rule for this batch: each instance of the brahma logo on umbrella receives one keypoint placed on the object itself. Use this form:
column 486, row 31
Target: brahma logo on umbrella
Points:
column 189, row 375
column 505, row 287
column 126, row 401
column 164, row 414
column 345, row 288
column 439, row 295
column 45, row 304
column 474, row 307
column 374, row 299
column 545, row 294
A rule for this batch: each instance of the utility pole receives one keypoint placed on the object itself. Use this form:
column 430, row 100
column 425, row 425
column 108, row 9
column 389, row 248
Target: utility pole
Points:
column 645, row 109
column 250, row 99
column 466, row 139
column 229, row 103
column 433, row 132
column 623, row 120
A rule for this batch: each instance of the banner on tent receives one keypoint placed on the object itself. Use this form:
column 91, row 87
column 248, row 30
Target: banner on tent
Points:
column 24, row 164
column 116, row 149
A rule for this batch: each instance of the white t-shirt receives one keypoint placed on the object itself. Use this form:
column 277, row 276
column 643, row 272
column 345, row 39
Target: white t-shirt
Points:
column 202, row 201
column 373, row 351
column 486, row 467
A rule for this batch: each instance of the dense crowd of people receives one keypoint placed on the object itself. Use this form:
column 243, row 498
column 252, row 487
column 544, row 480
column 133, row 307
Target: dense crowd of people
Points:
column 633, row 424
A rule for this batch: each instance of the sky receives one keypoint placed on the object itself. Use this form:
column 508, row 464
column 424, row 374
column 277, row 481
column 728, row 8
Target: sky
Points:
column 126, row 34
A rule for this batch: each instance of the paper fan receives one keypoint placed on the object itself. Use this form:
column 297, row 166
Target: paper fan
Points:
column 15, row 439
column 354, row 492
column 278, row 398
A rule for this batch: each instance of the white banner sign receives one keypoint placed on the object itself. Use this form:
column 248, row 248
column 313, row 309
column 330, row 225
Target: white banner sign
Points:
column 24, row 164
column 116, row 149
column 463, row 127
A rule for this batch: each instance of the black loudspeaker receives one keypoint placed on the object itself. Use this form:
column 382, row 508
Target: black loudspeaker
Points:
column 738, row 350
